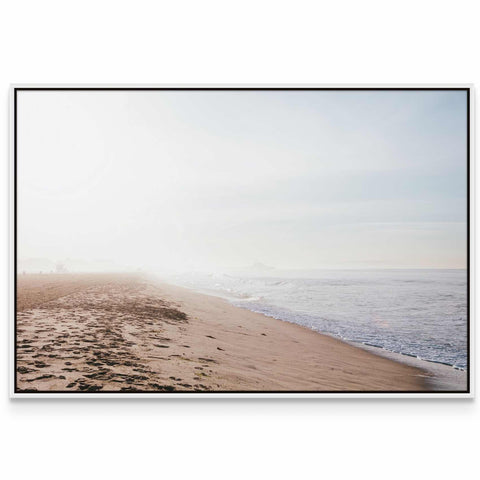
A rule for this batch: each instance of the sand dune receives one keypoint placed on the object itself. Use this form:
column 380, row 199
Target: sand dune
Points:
column 126, row 333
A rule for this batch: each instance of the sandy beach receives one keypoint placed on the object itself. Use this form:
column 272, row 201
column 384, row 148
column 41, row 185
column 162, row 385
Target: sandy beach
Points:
column 126, row 333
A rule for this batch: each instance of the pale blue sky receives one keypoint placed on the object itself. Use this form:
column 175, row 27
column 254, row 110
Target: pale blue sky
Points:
column 295, row 179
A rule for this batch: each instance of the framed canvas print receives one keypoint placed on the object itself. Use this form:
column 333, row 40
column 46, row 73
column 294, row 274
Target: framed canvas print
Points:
column 240, row 240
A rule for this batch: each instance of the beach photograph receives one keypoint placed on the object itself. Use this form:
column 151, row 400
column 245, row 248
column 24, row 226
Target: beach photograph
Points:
column 241, row 240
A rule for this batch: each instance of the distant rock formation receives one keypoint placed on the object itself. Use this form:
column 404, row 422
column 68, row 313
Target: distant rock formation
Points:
column 60, row 268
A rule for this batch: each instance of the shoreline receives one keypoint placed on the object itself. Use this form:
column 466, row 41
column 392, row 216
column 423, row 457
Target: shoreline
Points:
column 121, row 333
column 440, row 376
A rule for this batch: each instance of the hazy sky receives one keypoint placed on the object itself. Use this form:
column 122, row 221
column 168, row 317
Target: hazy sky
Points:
column 299, row 179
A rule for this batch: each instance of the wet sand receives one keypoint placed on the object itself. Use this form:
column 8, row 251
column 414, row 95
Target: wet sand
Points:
column 127, row 333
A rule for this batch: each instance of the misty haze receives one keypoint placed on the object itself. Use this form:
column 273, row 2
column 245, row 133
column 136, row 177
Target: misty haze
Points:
column 206, row 180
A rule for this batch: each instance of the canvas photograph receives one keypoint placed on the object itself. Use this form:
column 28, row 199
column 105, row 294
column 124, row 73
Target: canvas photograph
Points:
column 240, row 240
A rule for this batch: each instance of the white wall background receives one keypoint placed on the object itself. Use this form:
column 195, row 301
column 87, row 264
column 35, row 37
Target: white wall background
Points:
column 214, row 42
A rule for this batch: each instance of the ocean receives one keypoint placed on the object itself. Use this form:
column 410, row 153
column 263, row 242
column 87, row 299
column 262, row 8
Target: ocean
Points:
column 420, row 313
